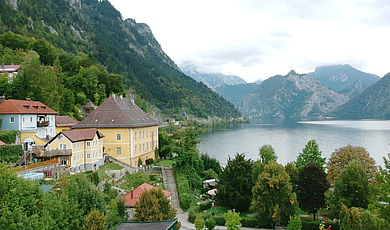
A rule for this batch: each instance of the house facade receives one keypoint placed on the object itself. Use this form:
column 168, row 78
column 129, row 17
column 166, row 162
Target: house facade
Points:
column 34, row 120
column 130, row 135
column 80, row 150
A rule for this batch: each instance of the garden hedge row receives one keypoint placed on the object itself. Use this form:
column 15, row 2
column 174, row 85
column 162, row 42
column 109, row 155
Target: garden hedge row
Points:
column 10, row 153
column 8, row 137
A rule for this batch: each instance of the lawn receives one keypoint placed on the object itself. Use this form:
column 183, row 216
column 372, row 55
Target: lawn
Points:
column 131, row 181
column 101, row 171
column 165, row 163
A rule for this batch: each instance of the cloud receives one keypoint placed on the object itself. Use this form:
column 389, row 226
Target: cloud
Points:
column 260, row 38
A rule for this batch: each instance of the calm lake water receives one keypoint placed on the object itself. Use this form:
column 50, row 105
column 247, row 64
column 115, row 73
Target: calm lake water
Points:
column 289, row 138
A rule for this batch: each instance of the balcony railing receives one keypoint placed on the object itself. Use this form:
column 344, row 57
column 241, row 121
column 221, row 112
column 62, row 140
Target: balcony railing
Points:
column 42, row 123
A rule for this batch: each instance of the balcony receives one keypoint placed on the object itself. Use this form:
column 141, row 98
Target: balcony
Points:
column 43, row 123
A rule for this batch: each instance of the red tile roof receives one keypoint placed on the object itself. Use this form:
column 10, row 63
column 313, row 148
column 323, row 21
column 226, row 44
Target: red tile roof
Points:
column 76, row 135
column 2, row 143
column 9, row 68
column 12, row 106
column 64, row 121
column 131, row 201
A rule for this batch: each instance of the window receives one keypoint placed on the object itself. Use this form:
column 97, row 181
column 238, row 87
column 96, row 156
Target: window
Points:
column 78, row 157
column 118, row 137
column 143, row 134
column 12, row 119
column 30, row 119
column 88, row 155
column 88, row 143
column 62, row 146
column 74, row 145
column 23, row 119
column 135, row 136
column 143, row 147
column 135, row 149
column 118, row 150
column 147, row 133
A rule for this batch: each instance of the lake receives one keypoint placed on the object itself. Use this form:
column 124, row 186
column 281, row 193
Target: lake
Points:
column 289, row 138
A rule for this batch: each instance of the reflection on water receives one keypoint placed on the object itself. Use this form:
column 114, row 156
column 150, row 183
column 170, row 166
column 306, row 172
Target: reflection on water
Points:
column 289, row 138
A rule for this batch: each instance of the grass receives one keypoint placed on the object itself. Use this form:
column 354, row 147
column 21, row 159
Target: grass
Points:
column 102, row 170
column 135, row 180
column 165, row 163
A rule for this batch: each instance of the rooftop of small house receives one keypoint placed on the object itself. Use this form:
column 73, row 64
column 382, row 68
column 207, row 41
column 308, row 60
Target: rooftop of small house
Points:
column 133, row 196
column 76, row 135
column 12, row 106
column 155, row 225
column 65, row 121
column 9, row 68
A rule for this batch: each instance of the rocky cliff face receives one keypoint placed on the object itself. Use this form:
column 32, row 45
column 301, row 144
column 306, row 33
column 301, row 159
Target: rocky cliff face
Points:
column 293, row 96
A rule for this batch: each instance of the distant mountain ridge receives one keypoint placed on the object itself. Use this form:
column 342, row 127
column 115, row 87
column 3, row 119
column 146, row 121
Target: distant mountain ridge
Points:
column 212, row 80
column 344, row 79
column 293, row 96
column 372, row 103
column 236, row 94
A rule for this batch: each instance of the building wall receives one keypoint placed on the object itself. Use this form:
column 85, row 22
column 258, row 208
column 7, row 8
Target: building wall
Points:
column 25, row 135
column 59, row 129
column 48, row 130
column 120, row 149
column 6, row 123
column 145, row 141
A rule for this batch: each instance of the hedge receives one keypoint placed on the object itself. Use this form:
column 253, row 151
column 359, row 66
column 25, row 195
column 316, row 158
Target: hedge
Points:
column 8, row 137
column 10, row 153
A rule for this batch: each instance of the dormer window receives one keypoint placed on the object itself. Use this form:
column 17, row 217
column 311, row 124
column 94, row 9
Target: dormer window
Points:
column 43, row 107
column 26, row 106
column 35, row 106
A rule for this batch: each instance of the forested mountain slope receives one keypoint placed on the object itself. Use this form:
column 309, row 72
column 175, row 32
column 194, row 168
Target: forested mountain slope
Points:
column 121, row 46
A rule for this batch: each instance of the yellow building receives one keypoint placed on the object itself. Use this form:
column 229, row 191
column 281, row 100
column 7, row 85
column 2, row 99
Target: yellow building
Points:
column 129, row 133
column 81, row 149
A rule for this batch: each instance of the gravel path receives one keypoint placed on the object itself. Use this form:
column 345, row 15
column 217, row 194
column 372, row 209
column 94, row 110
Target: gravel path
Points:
column 170, row 185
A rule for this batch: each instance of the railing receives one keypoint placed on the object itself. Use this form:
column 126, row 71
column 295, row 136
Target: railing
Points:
column 42, row 123
column 36, row 165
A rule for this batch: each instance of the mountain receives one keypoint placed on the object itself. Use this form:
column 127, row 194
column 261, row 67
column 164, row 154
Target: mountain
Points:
column 259, row 81
column 212, row 80
column 372, row 103
column 344, row 79
column 236, row 94
column 125, row 47
column 293, row 96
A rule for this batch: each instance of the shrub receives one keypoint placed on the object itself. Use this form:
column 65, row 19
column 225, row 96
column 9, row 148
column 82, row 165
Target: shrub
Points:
column 294, row 223
column 10, row 153
column 210, row 223
column 199, row 222
column 8, row 137
column 205, row 205
column 251, row 222
column 149, row 161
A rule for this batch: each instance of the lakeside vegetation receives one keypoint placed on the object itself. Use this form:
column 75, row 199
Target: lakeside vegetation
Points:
column 349, row 187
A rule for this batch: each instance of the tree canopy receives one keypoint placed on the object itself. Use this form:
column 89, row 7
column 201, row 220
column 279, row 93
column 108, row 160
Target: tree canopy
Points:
column 267, row 154
column 312, row 184
column 153, row 205
column 235, row 183
column 340, row 159
column 273, row 199
column 310, row 154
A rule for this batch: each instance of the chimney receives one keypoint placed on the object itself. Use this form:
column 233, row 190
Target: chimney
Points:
column 132, row 99
column 131, row 194
column 2, row 99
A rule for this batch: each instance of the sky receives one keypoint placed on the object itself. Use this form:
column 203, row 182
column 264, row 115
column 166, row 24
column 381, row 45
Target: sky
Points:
column 257, row 39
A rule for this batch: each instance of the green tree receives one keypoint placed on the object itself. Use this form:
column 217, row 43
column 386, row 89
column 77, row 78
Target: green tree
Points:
column 210, row 223
column 153, row 205
column 267, row 154
column 95, row 221
column 310, row 154
column 232, row 220
column 273, row 198
column 294, row 223
column 199, row 222
column 46, row 51
column 312, row 184
column 351, row 189
column 343, row 156
column 211, row 163
column 113, row 215
column 293, row 172
column 235, row 183
column 360, row 219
